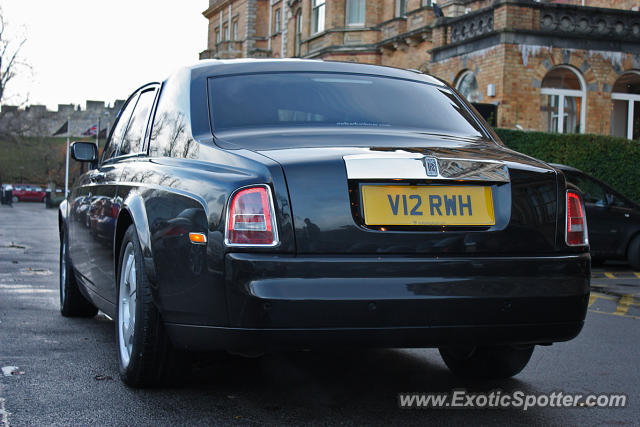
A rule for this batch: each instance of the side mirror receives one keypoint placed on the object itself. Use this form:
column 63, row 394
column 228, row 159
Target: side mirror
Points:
column 84, row 151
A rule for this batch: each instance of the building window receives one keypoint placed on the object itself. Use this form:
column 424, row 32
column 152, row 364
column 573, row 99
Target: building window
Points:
column 298, row 34
column 225, row 32
column 277, row 23
column 625, row 112
column 355, row 12
column 234, row 31
column 217, row 35
column 401, row 7
column 563, row 101
column 467, row 85
column 317, row 16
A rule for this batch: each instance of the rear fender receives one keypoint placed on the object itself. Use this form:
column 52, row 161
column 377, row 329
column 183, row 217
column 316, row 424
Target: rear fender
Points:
column 133, row 211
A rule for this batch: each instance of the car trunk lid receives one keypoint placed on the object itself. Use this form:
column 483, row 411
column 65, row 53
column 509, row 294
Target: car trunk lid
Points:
column 328, row 175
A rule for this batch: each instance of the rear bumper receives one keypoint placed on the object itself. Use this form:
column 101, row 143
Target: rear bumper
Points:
column 390, row 301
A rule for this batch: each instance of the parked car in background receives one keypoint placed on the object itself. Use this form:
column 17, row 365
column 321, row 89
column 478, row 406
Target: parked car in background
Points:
column 255, row 205
column 28, row 193
column 613, row 220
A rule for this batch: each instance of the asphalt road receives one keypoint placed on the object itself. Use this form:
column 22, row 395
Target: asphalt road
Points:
column 59, row 371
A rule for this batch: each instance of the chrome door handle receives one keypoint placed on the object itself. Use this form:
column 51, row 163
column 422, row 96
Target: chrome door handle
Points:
column 626, row 215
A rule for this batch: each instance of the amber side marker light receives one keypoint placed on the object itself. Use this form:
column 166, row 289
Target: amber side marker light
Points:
column 576, row 231
column 198, row 238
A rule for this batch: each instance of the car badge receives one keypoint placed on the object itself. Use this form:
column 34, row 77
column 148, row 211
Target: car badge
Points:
column 431, row 165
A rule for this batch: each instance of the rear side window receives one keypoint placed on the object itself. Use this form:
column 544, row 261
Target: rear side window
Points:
column 171, row 132
column 118, row 132
column 133, row 138
column 592, row 192
column 336, row 100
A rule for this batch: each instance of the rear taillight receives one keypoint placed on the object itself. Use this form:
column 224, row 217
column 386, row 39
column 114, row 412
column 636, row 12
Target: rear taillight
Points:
column 251, row 219
column 576, row 233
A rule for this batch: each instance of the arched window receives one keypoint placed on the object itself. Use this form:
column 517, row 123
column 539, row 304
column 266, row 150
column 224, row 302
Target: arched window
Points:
column 467, row 85
column 563, row 104
column 625, row 115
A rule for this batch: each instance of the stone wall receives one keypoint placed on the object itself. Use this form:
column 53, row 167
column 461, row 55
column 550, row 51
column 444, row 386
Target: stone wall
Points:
column 517, row 71
column 39, row 121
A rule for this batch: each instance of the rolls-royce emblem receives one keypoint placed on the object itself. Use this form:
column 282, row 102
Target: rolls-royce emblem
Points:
column 431, row 165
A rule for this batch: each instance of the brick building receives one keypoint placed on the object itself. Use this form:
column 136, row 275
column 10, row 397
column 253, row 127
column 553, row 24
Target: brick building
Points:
column 557, row 66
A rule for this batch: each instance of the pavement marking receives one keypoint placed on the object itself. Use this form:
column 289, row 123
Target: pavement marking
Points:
column 613, row 314
column 623, row 305
column 599, row 274
column 595, row 295
column 4, row 415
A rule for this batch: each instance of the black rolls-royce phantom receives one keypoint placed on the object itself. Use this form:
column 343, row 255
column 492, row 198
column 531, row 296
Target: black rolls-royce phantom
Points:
column 255, row 205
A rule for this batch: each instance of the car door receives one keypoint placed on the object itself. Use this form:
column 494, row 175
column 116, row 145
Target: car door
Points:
column 604, row 225
column 130, row 150
column 625, row 215
column 92, row 251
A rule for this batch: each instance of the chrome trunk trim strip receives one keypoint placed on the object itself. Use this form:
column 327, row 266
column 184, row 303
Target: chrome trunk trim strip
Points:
column 399, row 165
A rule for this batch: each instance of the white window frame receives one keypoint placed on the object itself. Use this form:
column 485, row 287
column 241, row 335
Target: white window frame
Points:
column 277, row 23
column 631, row 99
column 563, row 93
column 298, row 33
column 318, row 11
column 227, row 32
column 348, row 21
column 399, row 11
column 234, row 29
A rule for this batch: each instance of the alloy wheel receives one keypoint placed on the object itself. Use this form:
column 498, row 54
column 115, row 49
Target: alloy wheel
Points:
column 127, row 304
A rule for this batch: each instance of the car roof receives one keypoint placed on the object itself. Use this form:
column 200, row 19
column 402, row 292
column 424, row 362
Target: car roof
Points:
column 219, row 67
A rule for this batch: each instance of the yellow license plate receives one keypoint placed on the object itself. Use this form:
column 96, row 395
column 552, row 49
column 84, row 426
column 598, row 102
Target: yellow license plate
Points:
column 427, row 205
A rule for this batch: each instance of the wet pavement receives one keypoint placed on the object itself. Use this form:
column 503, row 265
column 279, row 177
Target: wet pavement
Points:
column 60, row 371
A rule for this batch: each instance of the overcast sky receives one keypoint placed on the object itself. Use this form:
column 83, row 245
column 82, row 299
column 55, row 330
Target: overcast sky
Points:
column 102, row 49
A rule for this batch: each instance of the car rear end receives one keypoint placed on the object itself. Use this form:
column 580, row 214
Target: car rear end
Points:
column 403, row 237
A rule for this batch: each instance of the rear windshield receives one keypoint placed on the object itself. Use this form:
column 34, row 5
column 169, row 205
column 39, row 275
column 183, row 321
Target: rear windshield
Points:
column 336, row 100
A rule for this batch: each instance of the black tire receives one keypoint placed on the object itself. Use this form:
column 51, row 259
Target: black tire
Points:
column 72, row 302
column 486, row 363
column 150, row 359
column 633, row 253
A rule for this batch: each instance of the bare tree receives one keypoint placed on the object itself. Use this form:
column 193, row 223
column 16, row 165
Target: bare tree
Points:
column 10, row 60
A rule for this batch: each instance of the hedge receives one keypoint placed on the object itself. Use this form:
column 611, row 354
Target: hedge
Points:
column 613, row 160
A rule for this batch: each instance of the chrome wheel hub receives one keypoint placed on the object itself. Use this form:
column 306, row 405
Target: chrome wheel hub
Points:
column 127, row 304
